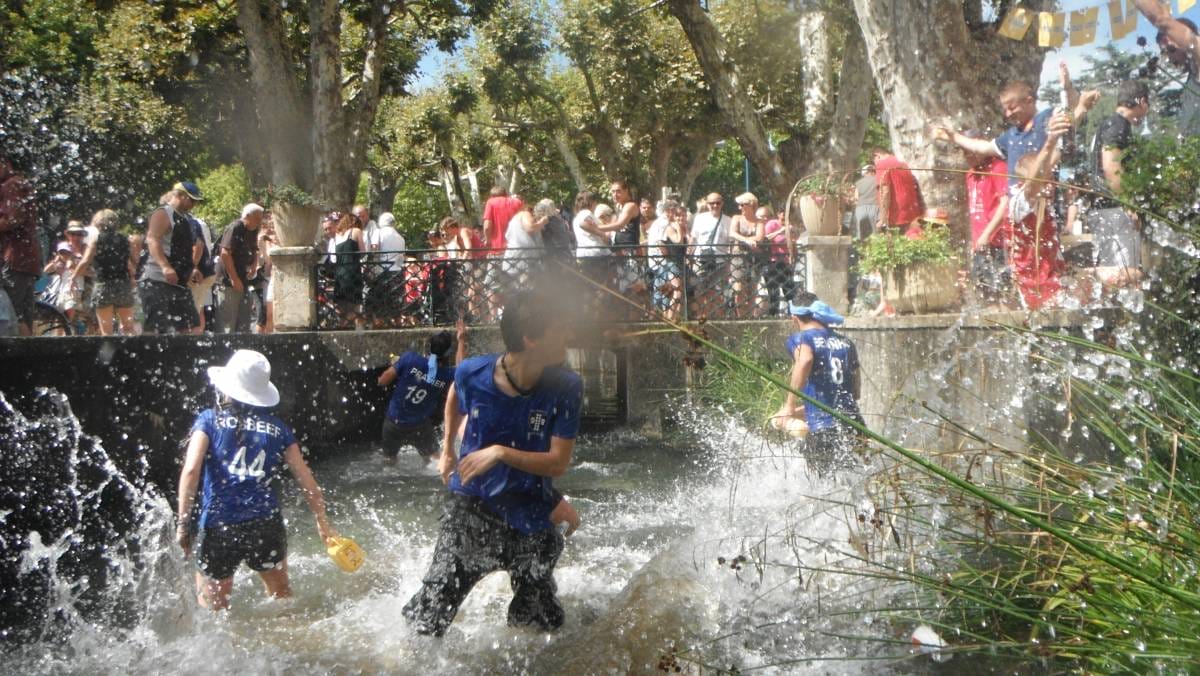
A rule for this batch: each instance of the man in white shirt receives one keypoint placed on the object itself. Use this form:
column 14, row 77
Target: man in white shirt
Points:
column 710, row 232
column 710, row 228
column 390, row 241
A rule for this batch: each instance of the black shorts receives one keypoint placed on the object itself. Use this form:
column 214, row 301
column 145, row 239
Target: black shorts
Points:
column 167, row 307
column 831, row 449
column 261, row 543
column 421, row 436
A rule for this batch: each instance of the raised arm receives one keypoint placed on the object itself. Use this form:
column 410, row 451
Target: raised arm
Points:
column 979, row 146
column 1160, row 15
column 460, row 337
column 1047, row 157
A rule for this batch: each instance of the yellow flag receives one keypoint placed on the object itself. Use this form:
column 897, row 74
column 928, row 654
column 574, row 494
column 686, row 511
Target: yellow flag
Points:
column 1016, row 24
column 1083, row 25
column 1185, row 5
column 1123, row 19
column 1052, row 29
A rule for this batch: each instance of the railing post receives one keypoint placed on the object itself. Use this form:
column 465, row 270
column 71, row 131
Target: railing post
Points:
column 293, row 282
column 828, row 269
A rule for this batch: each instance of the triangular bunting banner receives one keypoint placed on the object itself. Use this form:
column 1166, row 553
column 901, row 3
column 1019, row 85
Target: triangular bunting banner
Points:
column 1016, row 24
column 1052, row 29
column 1083, row 25
column 1124, row 20
column 1185, row 5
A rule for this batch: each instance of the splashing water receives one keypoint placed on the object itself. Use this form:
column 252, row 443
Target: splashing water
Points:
column 706, row 549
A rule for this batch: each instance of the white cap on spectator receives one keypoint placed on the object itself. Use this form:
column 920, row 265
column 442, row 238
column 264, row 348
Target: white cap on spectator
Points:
column 250, row 208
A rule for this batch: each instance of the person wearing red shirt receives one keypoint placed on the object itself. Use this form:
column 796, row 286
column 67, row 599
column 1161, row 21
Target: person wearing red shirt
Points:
column 498, row 210
column 20, row 252
column 987, row 206
column 900, row 201
column 1035, row 253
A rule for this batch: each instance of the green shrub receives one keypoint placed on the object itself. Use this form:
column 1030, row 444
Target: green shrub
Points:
column 226, row 190
column 886, row 251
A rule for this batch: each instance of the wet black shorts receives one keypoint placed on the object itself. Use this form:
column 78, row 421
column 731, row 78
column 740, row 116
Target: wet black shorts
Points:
column 831, row 449
column 261, row 543
column 422, row 437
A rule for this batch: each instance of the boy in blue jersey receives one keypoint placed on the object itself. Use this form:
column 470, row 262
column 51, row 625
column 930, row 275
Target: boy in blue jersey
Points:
column 239, row 448
column 522, row 415
column 420, row 394
column 825, row 368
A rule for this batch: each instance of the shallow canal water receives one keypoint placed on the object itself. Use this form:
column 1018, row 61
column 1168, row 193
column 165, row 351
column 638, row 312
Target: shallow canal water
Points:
column 643, row 574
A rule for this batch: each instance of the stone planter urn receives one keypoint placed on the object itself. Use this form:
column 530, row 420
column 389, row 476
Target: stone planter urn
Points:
column 821, row 214
column 295, row 224
column 921, row 288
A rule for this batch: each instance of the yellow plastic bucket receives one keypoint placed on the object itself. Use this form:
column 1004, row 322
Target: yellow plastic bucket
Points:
column 345, row 553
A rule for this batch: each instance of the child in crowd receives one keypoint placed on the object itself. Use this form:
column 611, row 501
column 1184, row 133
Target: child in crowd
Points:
column 65, row 289
column 1035, row 254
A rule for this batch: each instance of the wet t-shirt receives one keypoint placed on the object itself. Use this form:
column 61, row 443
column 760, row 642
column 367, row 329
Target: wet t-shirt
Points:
column 245, row 454
column 416, row 397
column 526, row 423
column 831, row 382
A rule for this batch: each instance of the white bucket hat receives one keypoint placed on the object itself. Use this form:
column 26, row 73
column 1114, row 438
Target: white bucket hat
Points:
column 246, row 378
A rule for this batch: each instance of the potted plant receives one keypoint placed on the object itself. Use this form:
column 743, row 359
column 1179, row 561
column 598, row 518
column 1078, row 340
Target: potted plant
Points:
column 919, row 271
column 297, row 215
column 820, row 205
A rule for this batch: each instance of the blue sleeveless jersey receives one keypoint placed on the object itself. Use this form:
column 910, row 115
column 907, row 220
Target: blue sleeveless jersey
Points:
column 522, row 499
column 414, row 399
column 240, row 471
column 835, row 362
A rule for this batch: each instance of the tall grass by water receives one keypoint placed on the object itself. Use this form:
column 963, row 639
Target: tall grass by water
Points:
column 1072, row 551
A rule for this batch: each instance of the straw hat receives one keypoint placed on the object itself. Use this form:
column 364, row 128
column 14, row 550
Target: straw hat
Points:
column 246, row 378
column 938, row 216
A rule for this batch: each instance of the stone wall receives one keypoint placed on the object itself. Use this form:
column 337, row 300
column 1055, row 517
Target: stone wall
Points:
column 139, row 395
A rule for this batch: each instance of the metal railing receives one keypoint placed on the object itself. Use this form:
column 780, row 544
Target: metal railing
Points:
column 392, row 289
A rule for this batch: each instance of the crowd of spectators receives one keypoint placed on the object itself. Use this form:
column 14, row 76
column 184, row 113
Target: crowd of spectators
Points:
column 655, row 253
column 1021, row 237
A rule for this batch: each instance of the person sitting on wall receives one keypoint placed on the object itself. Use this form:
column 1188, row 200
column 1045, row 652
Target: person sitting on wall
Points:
column 419, row 395
column 825, row 368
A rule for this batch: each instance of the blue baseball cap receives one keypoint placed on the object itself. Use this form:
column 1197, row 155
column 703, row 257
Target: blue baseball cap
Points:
column 819, row 310
column 191, row 189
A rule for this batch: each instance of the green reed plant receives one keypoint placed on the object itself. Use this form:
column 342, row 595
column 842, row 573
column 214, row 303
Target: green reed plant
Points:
column 1087, row 562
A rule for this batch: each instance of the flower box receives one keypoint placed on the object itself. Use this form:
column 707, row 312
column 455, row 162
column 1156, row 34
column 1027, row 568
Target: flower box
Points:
column 921, row 288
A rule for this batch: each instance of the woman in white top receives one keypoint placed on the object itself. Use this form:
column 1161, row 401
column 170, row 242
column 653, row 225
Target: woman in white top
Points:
column 523, row 248
column 591, row 240
column 747, row 231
